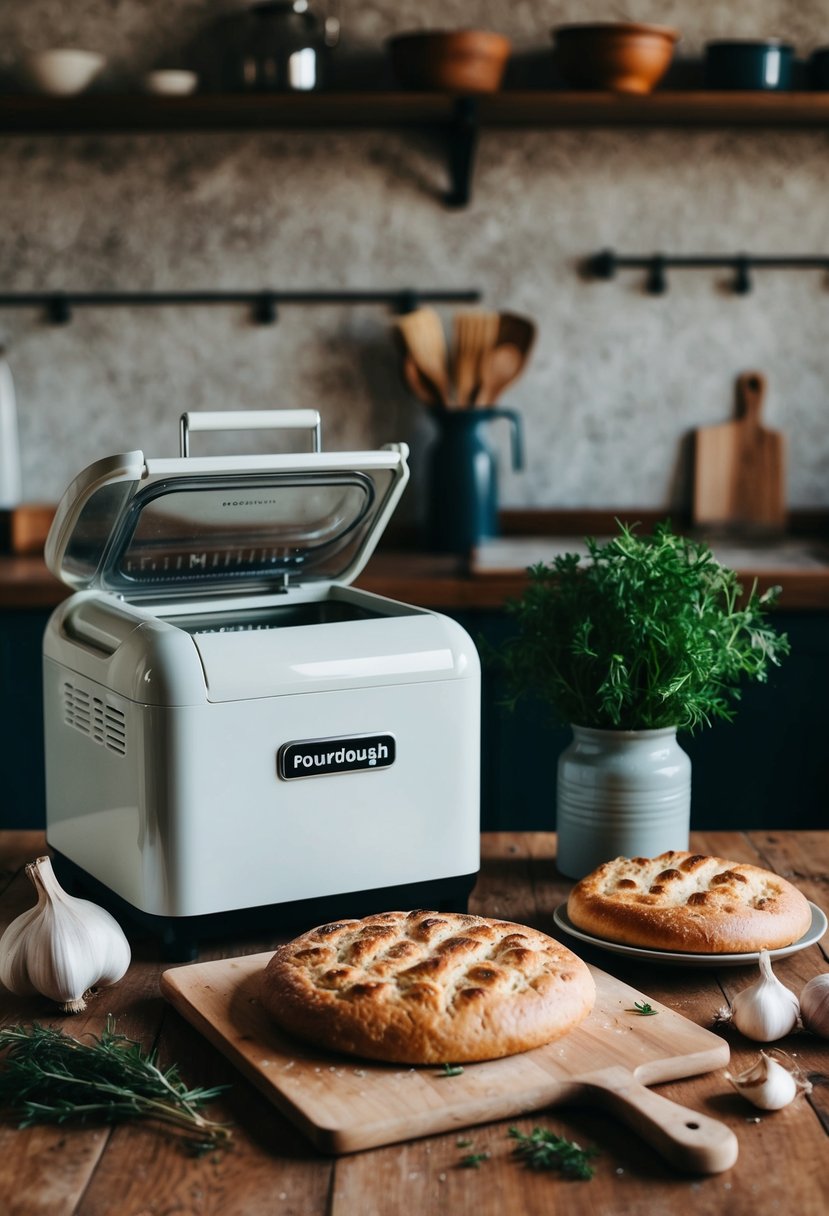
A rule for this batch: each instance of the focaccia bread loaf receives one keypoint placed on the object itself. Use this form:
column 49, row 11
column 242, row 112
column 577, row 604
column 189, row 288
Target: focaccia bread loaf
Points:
column 686, row 901
column 426, row 987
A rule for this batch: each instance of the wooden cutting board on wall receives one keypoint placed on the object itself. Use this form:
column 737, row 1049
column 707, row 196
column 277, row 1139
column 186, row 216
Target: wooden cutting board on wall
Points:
column 739, row 468
column 344, row 1104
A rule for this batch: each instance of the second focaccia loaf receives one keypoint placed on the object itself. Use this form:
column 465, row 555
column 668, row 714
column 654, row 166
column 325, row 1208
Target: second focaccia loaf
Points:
column 686, row 901
column 426, row 987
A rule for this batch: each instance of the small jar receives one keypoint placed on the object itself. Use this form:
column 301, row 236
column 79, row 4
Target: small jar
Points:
column 282, row 47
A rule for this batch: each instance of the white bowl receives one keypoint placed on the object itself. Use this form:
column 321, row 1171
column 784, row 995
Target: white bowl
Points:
column 171, row 82
column 62, row 72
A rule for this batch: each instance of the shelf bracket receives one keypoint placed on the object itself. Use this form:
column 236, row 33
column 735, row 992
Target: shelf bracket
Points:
column 463, row 142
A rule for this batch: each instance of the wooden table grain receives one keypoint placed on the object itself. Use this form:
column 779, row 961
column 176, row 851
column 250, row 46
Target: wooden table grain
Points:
column 134, row 1170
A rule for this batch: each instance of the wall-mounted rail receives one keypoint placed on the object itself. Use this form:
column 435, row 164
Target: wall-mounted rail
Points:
column 605, row 265
column 264, row 303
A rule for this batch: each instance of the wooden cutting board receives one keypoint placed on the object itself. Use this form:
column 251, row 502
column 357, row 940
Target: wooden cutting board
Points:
column 344, row 1104
column 739, row 467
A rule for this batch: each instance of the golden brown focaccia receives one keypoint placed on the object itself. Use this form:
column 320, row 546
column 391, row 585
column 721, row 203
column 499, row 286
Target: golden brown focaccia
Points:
column 686, row 901
column 426, row 987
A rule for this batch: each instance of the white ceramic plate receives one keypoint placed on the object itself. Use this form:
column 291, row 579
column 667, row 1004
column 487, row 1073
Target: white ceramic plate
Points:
column 679, row 958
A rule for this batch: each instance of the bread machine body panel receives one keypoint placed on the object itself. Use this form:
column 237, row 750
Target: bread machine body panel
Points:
column 254, row 743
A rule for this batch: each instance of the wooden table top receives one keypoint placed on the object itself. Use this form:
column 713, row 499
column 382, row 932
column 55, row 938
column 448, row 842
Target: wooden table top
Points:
column 134, row 1170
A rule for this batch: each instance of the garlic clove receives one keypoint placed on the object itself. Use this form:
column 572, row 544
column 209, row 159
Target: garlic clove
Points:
column 62, row 947
column 767, row 1010
column 768, row 1084
column 814, row 1005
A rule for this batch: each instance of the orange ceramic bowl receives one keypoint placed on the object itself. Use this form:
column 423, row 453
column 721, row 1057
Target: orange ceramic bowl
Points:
column 624, row 57
column 451, row 61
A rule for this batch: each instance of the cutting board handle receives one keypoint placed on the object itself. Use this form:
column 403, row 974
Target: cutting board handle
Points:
column 751, row 392
column 688, row 1140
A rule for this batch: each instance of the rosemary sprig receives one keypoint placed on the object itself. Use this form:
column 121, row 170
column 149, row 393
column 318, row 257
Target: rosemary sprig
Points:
column 644, row 1009
column 47, row 1076
column 544, row 1150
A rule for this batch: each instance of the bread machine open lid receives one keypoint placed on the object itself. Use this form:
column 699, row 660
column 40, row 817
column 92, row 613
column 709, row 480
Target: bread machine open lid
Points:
column 194, row 528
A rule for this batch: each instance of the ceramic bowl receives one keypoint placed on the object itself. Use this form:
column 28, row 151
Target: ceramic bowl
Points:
column 765, row 65
column 171, row 82
column 623, row 57
column 61, row 72
column 452, row 61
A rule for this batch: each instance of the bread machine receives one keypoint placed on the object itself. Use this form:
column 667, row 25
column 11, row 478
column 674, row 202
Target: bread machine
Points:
column 236, row 738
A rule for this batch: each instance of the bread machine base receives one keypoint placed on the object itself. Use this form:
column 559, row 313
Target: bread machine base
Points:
column 180, row 935
column 237, row 739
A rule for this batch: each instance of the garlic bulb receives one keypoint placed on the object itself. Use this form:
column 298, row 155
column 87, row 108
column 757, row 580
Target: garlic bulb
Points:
column 768, row 1084
column 814, row 1005
column 767, row 1010
column 63, row 946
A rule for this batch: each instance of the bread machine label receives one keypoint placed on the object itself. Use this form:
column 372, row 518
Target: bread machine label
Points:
column 341, row 754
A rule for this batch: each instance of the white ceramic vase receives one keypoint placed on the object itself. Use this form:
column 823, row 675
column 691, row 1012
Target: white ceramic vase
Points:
column 621, row 793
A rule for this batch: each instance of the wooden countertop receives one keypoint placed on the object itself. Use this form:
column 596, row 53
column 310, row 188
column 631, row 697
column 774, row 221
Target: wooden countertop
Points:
column 136, row 1171
column 428, row 580
column 799, row 562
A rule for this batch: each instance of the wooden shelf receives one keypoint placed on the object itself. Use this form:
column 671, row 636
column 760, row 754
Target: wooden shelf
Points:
column 461, row 118
column 29, row 113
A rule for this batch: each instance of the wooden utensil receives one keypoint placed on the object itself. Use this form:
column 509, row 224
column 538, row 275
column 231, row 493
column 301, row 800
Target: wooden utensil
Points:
column 517, row 330
column 344, row 1104
column 739, row 467
column 423, row 336
column 500, row 367
column 418, row 383
column 474, row 334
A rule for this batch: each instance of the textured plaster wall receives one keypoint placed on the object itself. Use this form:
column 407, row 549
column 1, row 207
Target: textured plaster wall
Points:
column 618, row 379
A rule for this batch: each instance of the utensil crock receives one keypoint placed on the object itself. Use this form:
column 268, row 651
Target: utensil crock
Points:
column 463, row 478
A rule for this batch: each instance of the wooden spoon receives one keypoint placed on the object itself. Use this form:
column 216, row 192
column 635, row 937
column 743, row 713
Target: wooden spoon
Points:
column 501, row 366
column 418, row 383
column 423, row 336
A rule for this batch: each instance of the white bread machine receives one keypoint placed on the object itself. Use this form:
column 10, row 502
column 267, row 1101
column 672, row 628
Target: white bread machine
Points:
column 236, row 739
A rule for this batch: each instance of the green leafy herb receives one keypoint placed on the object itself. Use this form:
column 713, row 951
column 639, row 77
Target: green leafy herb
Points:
column 643, row 1009
column 651, row 632
column 463, row 1143
column 452, row 1070
column 473, row 1161
column 48, row 1077
column 544, row 1150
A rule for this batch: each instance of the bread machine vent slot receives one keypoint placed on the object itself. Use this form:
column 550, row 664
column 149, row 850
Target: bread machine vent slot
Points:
column 92, row 716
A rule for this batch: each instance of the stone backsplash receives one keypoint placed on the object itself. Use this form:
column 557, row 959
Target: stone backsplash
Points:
column 619, row 378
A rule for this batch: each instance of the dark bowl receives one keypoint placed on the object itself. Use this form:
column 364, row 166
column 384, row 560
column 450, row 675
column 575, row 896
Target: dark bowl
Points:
column 762, row 65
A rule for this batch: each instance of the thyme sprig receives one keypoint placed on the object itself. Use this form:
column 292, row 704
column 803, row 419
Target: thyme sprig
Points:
column 544, row 1150
column 650, row 632
column 47, row 1076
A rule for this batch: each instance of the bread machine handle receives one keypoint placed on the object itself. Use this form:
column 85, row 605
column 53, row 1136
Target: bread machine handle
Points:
column 249, row 420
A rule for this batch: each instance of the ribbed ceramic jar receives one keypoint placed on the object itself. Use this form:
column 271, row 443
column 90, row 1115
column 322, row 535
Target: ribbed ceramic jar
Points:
column 621, row 793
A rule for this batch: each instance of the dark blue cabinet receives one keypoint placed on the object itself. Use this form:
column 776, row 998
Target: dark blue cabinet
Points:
column 767, row 769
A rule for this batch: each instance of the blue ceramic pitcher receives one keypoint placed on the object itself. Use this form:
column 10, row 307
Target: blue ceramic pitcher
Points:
column 463, row 478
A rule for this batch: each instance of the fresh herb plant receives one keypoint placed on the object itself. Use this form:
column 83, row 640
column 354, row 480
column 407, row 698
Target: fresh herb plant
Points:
column 452, row 1070
column 542, row 1149
column 650, row 632
column 47, row 1076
